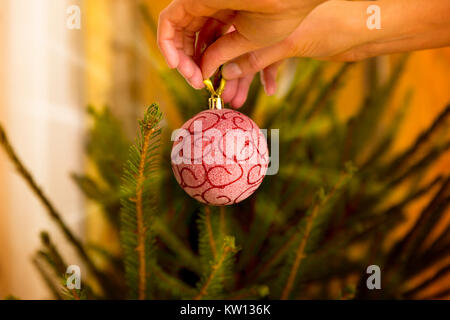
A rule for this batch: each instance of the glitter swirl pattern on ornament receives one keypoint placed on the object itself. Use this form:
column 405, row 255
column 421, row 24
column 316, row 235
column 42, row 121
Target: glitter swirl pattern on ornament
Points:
column 220, row 173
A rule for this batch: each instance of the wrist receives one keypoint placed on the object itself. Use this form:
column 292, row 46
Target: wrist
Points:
column 331, row 28
column 358, row 27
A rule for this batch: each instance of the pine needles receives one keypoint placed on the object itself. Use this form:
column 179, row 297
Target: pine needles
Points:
column 217, row 250
column 106, row 284
column 138, row 204
column 306, row 238
column 212, row 284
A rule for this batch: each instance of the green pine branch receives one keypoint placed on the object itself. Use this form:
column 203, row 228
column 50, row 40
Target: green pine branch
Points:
column 107, row 146
column 107, row 149
column 216, row 250
column 57, row 260
column 212, row 283
column 138, row 205
column 254, row 292
column 171, row 284
column 39, row 264
column 108, row 287
column 208, row 231
column 309, row 228
column 441, row 121
column 187, row 257
column 51, row 255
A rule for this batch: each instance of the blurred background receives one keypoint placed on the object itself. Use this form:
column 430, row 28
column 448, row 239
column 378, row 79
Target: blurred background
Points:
column 49, row 73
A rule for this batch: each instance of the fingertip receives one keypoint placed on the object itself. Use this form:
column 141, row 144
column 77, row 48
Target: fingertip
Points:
column 199, row 85
column 270, row 84
column 195, row 84
column 182, row 71
column 263, row 80
column 271, row 89
column 230, row 90
column 238, row 102
column 242, row 91
column 172, row 63
column 269, row 75
column 207, row 71
column 190, row 71
column 240, row 97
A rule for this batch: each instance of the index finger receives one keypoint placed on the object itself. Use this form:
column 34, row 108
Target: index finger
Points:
column 173, row 20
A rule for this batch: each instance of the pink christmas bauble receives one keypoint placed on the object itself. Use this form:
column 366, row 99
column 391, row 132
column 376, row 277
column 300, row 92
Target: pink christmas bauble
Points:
column 219, row 157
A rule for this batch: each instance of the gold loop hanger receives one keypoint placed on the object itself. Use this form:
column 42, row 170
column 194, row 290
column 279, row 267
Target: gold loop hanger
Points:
column 215, row 101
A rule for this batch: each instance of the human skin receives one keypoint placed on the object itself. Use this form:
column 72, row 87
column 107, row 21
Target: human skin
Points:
column 256, row 24
column 334, row 30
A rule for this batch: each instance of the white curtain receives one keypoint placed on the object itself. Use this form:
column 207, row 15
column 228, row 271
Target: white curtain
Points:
column 42, row 109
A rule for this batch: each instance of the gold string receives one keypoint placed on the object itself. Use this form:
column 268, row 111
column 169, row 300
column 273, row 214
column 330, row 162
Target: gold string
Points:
column 210, row 87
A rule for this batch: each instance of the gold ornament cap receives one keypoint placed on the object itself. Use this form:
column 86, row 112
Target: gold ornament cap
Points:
column 215, row 101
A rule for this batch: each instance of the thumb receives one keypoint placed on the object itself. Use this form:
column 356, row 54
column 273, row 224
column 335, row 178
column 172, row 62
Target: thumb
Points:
column 224, row 49
column 255, row 61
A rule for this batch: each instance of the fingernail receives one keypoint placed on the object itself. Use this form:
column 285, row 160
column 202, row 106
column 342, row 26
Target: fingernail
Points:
column 198, row 85
column 263, row 81
column 271, row 91
column 231, row 71
column 195, row 83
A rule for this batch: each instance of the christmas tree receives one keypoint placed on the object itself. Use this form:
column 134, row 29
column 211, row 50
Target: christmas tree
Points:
column 309, row 232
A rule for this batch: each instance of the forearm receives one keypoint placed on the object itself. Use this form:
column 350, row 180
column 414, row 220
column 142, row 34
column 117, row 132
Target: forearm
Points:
column 406, row 25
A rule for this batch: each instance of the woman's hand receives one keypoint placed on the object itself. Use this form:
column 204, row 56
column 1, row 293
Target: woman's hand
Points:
column 326, row 33
column 255, row 36
column 257, row 24
column 336, row 30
